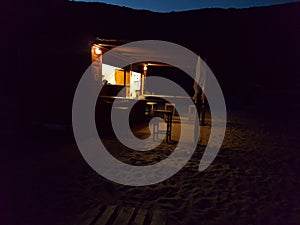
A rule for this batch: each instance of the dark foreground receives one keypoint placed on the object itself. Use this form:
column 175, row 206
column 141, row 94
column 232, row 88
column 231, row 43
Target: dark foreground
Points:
column 253, row 180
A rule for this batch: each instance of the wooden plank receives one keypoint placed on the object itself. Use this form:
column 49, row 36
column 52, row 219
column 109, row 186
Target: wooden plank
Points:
column 140, row 217
column 158, row 219
column 124, row 216
column 106, row 215
column 88, row 216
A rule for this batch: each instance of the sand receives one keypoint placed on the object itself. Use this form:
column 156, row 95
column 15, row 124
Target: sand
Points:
column 253, row 180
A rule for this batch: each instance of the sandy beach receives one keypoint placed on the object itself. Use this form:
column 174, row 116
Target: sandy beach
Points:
column 253, row 180
column 254, row 53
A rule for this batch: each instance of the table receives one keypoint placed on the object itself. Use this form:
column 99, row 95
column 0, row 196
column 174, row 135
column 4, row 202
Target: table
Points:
column 152, row 104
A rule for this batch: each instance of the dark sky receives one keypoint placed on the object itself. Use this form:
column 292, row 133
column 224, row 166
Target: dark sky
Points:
column 181, row 5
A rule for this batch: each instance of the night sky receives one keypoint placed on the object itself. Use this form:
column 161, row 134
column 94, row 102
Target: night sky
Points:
column 181, row 5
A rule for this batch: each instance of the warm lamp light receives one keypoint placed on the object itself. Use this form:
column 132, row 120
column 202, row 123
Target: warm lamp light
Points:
column 145, row 67
column 98, row 51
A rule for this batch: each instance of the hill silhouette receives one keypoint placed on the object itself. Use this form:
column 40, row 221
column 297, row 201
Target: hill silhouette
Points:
column 250, row 50
column 254, row 54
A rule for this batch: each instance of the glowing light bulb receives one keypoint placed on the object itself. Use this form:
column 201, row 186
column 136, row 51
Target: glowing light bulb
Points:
column 98, row 51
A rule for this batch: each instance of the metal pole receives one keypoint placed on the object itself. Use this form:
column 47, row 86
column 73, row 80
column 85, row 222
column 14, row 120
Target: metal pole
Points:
column 203, row 109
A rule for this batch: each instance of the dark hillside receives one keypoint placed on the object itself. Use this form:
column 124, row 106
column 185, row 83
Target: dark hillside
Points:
column 253, row 50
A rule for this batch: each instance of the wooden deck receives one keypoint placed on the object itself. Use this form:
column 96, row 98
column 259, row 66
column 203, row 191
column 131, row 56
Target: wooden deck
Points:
column 119, row 215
